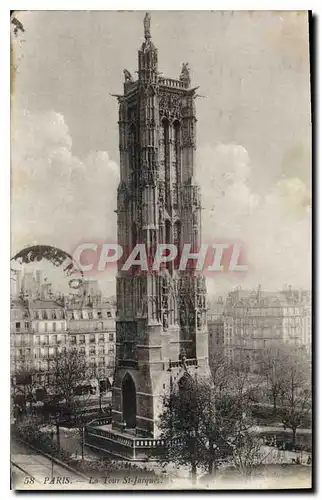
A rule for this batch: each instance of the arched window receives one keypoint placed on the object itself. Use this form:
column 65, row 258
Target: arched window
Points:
column 132, row 152
column 134, row 235
column 177, row 239
column 177, row 161
column 129, row 402
column 168, row 239
column 168, row 232
column 166, row 139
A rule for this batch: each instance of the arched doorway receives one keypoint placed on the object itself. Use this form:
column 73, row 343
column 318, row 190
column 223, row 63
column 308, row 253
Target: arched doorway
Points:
column 129, row 402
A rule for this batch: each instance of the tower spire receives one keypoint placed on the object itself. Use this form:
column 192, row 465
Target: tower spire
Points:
column 147, row 26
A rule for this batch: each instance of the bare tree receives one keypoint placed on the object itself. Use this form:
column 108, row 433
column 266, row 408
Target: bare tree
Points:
column 220, row 371
column 97, row 373
column 295, row 392
column 247, row 452
column 234, row 424
column 242, row 383
column 69, row 374
column 273, row 369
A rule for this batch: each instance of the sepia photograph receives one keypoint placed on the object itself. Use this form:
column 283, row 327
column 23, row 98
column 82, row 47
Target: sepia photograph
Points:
column 161, row 250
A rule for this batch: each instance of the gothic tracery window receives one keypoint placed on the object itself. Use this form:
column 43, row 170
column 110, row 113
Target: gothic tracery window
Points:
column 132, row 135
column 167, row 167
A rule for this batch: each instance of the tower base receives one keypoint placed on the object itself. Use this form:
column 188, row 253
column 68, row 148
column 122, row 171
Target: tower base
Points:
column 121, row 445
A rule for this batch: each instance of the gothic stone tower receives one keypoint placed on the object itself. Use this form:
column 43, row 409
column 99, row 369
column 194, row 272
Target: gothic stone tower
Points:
column 161, row 328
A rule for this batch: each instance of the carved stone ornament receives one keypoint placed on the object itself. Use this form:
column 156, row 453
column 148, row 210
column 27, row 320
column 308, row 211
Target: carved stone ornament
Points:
column 165, row 320
column 170, row 105
column 185, row 74
column 127, row 76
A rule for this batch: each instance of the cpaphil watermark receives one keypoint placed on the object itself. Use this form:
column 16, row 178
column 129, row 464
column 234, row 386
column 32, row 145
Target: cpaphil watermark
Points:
column 93, row 258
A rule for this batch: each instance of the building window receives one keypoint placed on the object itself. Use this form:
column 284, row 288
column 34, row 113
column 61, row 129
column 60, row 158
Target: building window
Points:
column 92, row 337
column 101, row 338
column 54, row 339
column 26, row 324
column 37, row 341
column 111, row 337
column 109, row 314
column 62, row 326
column 92, row 350
column 73, row 340
column 82, row 339
column 54, row 327
column 46, row 340
column 101, row 361
column 46, row 327
column 18, row 326
column 90, row 315
column 99, row 314
column 82, row 350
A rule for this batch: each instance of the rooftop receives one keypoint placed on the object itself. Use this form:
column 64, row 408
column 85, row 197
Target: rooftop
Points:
column 45, row 304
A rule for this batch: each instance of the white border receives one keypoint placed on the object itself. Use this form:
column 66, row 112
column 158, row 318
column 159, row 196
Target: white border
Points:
column 5, row 169
column 166, row 5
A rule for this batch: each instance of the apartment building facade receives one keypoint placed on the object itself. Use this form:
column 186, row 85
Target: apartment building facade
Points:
column 252, row 320
column 42, row 326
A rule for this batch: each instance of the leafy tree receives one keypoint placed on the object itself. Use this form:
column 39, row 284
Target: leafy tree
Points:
column 201, row 427
column 181, row 425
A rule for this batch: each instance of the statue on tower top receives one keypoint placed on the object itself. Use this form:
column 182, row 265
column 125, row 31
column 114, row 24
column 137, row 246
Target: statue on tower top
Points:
column 147, row 24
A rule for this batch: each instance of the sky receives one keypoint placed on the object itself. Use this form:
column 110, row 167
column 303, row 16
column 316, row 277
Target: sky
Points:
column 253, row 131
